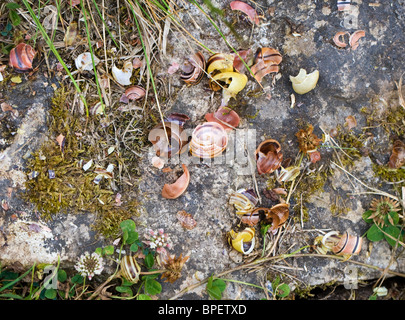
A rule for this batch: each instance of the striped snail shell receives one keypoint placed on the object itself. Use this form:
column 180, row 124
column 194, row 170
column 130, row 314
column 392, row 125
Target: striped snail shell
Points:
column 177, row 139
column 193, row 69
column 225, row 116
column 348, row 245
column 208, row 140
column 22, row 56
column 244, row 201
column 268, row 156
column 130, row 269
column 244, row 241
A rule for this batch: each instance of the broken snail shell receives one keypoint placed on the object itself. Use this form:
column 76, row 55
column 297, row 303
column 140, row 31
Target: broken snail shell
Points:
column 123, row 76
column 208, row 140
column 268, row 156
column 251, row 218
column 282, row 211
column 266, row 61
column 348, row 245
column 244, row 241
column 303, row 82
column 193, row 69
column 287, row 174
column 355, row 37
column 135, row 93
column 246, row 56
column 234, row 83
column 220, row 62
column 177, row 140
column 270, row 218
column 84, row 62
column 397, row 158
column 130, row 269
column 225, row 116
column 176, row 189
column 337, row 39
column 22, row 56
column 244, row 201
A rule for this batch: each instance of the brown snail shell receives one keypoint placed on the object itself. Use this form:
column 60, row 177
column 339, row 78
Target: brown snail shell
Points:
column 268, row 156
column 208, row 140
column 130, row 269
column 225, row 116
column 22, row 56
column 266, row 61
column 176, row 189
column 282, row 211
column 348, row 245
column 135, row 93
column 397, row 158
column 193, row 69
column 177, row 141
column 251, row 219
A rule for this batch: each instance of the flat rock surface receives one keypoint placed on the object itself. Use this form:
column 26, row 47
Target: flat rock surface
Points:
column 349, row 80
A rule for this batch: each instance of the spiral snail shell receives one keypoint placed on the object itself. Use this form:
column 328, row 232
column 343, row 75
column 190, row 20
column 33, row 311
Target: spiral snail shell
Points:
column 130, row 269
column 208, row 140
column 244, row 201
column 22, row 56
column 135, row 93
column 193, row 69
column 244, row 241
column 177, row 139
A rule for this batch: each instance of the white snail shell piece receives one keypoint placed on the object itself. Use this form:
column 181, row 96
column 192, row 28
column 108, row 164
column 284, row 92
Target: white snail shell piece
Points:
column 287, row 174
column 84, row 62
column 123, row 76
column 208, row 140
column 130, row 269
column 244, row 241
column 303, row 82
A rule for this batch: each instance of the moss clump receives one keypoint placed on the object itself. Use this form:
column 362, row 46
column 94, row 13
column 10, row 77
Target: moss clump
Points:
column 57, row 182
column 388, row 174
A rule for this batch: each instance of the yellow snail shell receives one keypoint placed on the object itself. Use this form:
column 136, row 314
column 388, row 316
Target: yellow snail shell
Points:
column 130, row 269
column 220, row 62
column 244, row 241
column 303, row 82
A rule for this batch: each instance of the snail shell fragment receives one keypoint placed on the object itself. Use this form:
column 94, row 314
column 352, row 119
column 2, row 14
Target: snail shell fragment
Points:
column 244, row 201
column 225, row 116
column 177, row 140
column 234, row 83
column 303, row 82
column 21, row 57
column 176, row 189
column 123, row 76
column 244, row 241
column 348, row 245
column 268, row 156
column 130, row 269
column 193, row 69
column 397, row 158
column 84, row 62
column 208, row 140
column 220, row 62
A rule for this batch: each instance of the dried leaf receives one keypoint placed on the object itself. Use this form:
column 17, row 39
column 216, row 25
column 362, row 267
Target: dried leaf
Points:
column 60, row 139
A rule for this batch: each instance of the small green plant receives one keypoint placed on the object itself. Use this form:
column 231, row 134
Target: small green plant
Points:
column 215, row 287
column 385, row 222
column 280, row 290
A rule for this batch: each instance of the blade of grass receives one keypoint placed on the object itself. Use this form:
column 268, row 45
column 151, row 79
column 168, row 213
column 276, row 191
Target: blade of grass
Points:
column 16, row 280
column 55, row 52
column 105, row 25
column 148, row 65
column 92, row 55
